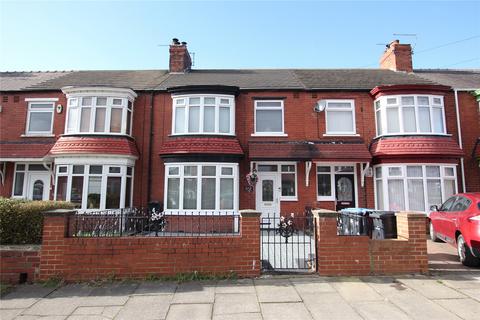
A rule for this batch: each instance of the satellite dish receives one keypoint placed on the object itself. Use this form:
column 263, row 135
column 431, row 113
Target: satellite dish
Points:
column 320, row 105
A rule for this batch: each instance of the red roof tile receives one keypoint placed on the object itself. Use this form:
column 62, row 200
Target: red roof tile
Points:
column 397, row 147
column 95, row 145
column 207, row 145
column 25, row 149
column 353, row 151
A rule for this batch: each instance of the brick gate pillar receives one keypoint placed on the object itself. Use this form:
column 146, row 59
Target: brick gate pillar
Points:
column 250, row 224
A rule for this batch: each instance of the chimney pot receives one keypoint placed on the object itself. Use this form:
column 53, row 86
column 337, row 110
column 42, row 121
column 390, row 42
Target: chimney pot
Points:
column 175, row 41
column 397, row 57
column 184, row 43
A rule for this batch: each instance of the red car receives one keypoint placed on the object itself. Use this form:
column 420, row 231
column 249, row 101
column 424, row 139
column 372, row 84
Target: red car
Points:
column 457, row 221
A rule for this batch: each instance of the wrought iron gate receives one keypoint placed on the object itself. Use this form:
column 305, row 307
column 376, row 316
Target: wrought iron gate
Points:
column 288, row 244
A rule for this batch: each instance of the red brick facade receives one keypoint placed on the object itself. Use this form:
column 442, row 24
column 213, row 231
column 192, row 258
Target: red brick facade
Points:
column 18, row 260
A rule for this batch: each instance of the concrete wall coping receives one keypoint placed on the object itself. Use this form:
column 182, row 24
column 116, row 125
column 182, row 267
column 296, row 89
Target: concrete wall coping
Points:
column 250, row 213
column 411, row 214
column 324, row 213
column 21, row 247
column 59, row 212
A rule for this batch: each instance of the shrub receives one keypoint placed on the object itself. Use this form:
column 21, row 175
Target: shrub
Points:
column 21, row 221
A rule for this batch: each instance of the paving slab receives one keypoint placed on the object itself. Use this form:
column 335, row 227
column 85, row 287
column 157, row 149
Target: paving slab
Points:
column 285, row 311
column 186, row 311
column 379, row 310
column 155, row 288
column 24, row 296
column 30, row 317
column 272, row 290
column 8, row 314
column 467, row 309
column 472, row 293
column 459, row 281
column 101, row 301
column 88, row 311
column 329, row 305
column 311, row 285
column 114, row 289
column 431, row 288
column 238, row 316
column 194, row 292
column 145, row 308
column 354, row 290
column 235, row 286
column 72, row 290
column 228, row 303
column 53, row 307
column 87, row 317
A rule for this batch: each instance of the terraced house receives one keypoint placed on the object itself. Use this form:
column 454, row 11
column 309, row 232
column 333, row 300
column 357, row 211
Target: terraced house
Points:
column 391, row 138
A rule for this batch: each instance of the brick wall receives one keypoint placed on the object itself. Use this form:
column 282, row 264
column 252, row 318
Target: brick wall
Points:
column 17, row 260
column 359, row 255
column 138, row 257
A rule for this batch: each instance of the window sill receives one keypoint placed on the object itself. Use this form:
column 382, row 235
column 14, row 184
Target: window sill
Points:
column 413, row 134
column 325, row 199
column 190, row 134
column 269, row 135
column 26, row 135
column 341, row 135
column 289, row 199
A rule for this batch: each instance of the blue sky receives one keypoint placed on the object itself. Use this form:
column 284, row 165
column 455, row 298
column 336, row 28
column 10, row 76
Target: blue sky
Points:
column 63, row 35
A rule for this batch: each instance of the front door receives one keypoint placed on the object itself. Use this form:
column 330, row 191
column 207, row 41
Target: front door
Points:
column 345, row 191
column 38, row 186
column 268, row 195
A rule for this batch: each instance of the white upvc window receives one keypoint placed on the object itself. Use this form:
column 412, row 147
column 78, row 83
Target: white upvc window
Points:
column 203, row 114
column 40, row 116
column 201, row 188
column 340, row 117
column 288, row 177
column 326, row 179
column 413, row 186
column 410, row 114
column 95, row 186
column 269, row 118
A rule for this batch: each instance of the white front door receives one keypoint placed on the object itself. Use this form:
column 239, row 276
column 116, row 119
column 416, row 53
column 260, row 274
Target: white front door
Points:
column 268, row 194
column 38, row 185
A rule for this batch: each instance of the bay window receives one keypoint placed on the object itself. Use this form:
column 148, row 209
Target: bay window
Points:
column 99, row 111
column 410, row 114
column 94, row 186
column 340, row 117
column 201, row 187
column 203, row 114
column 413, row 187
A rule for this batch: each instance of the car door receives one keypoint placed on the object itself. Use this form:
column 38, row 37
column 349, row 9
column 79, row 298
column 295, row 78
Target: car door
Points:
column 453, row 216
column 438, row 218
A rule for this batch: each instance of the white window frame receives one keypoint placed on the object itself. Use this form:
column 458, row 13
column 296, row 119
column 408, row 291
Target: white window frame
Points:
column 105, row 174
column 77, row 94
column 269, row 133
column 332, row 173
column 218, row 176
column 333, row 109
column 279, row 173
column 30, row 111
column 26, row 172
column 404, row 178
column 201, row 105
column 382, row 110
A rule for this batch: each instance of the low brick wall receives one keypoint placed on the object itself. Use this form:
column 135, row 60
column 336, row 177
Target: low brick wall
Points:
column 19, row 263
column 359, row 255
column 75, row 259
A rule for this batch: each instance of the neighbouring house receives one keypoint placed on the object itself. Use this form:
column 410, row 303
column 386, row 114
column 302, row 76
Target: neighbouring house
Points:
column 392, row 138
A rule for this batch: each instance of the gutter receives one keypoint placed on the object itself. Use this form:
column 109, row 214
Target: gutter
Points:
column 460, row 144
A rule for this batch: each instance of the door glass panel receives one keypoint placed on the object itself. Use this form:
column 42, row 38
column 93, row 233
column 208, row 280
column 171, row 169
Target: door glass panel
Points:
column 37, row 193
column 344, row 189
column 267, row 190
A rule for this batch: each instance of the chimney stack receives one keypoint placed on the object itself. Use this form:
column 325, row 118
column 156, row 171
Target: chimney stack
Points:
column 397, row 57
column 180, row 61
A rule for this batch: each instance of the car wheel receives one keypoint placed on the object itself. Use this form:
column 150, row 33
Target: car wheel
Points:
column 465, row 255
column 433, row 233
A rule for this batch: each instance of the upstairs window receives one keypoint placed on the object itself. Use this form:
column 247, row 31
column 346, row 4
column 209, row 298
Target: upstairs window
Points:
column 40, row 117
column 99, row 115
column 410, row 114
column 269, row 117
column 340, row 117
column 203, row 114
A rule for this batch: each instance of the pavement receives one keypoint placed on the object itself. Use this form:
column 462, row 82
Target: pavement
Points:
column 450, row 292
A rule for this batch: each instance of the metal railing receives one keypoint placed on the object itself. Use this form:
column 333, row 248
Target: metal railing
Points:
column 144, row 222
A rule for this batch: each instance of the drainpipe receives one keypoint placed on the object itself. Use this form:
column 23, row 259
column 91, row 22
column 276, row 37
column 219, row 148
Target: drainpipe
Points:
column 150, row 139
column 459, row 129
